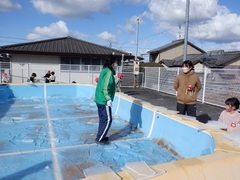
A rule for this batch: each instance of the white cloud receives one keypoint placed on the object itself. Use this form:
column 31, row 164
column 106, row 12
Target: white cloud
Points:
column 8, row 5
column 233, row 46
column 208, row 20
column 58, row 29
column 73, row 8
column 131, row 24
column 107, row 37
column 221, row 28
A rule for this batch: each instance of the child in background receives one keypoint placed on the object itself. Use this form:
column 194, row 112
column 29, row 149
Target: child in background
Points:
column 32, row 77
column 118, row 82
column 52, row 77
column 5, row 78
column 230, row 115
column 47, row 75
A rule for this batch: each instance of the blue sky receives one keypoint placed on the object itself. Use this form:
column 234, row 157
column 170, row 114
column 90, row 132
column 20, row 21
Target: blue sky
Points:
column 213, row 24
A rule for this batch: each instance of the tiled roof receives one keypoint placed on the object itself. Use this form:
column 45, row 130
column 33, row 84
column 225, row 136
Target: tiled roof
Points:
column 211, row 61
column 177, row 62
column 173, row 44
column 62, row 46
column 220, row 60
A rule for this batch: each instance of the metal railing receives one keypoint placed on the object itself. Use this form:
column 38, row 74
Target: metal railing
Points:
column 217, row 84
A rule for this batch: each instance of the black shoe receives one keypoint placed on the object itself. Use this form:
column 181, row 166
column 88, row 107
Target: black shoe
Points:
column 103, row 141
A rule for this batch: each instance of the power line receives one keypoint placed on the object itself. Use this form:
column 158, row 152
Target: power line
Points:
column 8, row 37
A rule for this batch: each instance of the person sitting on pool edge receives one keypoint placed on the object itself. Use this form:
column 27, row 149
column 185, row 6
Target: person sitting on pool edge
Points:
column 47, row 75
column 230, row 116
column 32, row 78
column 52, row 77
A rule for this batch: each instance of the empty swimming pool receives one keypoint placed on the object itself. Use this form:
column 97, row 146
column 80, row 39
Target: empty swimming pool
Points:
column 48, row 132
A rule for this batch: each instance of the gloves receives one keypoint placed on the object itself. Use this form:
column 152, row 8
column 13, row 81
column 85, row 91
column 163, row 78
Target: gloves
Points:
column 109, row 103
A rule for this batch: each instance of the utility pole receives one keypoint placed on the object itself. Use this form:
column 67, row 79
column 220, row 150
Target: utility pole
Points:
column 186, row 30
column 135, row 60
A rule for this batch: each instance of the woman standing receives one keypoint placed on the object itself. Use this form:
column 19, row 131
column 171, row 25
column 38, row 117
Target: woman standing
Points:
column 187, row 84
column 104, row 95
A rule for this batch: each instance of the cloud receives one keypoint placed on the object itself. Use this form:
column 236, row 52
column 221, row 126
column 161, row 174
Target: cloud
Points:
column 58, row 29
column 208, row 20
column 73, row 8
column 221, row 29
column 233, row 46
column 107, row 37
column 8, row 5
column 131, row 24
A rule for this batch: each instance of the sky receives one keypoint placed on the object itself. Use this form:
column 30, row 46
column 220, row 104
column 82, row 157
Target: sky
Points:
column 135, row 26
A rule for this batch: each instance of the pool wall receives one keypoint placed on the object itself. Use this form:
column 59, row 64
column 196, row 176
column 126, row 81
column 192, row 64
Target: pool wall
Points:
column 208, row 155
column 185, row 140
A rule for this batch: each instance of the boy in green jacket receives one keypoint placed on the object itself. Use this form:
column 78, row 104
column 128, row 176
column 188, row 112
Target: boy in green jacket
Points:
column 104, row 95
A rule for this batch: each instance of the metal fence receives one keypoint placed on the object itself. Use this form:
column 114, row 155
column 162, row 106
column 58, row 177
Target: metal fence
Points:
column 217, row 84
column 65, row 73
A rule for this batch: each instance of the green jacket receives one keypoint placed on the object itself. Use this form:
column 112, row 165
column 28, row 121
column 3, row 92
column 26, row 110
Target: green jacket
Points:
column 181, row 84
column 106, row 87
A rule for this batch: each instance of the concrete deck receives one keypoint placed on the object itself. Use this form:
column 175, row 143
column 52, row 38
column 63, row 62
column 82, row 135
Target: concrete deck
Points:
column 205, row 112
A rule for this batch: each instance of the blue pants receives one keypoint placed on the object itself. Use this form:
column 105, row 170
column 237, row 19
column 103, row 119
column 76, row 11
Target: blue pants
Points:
column 105, row 121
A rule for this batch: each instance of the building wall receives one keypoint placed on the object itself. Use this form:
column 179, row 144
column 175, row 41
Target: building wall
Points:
column 236, row 63
column 24, row 65
column 199, row 67
column 175, row 52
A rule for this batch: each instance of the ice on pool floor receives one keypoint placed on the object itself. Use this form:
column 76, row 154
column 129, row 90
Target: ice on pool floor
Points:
column 66, row 128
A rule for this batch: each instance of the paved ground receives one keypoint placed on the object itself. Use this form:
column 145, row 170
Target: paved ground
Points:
column 205, row 112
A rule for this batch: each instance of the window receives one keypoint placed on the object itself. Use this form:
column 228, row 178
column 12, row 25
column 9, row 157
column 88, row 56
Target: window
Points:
column 86, row 61
column 70, row 60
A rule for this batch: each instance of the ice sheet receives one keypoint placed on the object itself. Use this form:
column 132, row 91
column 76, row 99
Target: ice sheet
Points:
column 100, row 172
column 140, row 170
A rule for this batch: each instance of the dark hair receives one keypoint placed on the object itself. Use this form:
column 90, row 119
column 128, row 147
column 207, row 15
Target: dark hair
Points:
column 189, row 64
column 52, row 73
column 234, row 102
column 34, row 74
column 112, row 59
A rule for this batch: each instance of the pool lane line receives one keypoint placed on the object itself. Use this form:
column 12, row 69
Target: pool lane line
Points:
column 56, row 167
column 24, row 152
column 44, row 119
column 68, row 147
column 45, row 91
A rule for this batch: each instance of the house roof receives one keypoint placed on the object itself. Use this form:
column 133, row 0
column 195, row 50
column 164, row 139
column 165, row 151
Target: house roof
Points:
column 210, row 60
column 173, row 44
column 220, row 60
column 177, row 62
column 63, row 46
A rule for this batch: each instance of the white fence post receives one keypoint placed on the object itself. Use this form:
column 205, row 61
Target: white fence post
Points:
column 204, row 84
column 159, row 78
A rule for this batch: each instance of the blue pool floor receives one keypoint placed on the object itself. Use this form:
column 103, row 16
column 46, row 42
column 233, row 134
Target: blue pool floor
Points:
column 53, row 138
